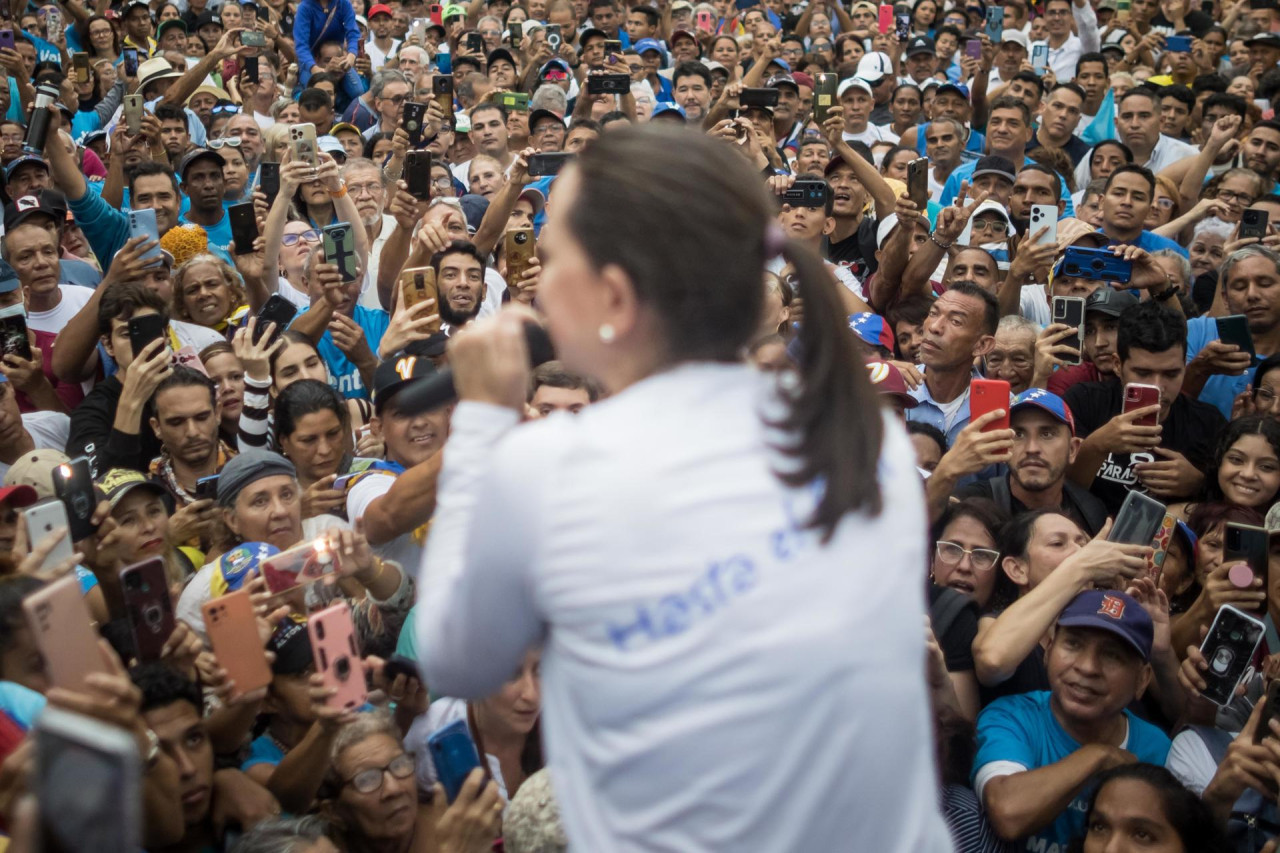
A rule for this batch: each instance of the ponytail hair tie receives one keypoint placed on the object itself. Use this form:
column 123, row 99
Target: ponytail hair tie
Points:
column 774, row 241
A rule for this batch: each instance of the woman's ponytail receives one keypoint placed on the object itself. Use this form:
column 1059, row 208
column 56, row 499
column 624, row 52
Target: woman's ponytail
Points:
column 834, row 412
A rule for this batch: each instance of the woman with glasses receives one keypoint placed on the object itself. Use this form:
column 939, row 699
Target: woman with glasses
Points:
column 1264, row 390
column 965, row 553
column 1164, row 207
column 102, row 38
column 1236, row 189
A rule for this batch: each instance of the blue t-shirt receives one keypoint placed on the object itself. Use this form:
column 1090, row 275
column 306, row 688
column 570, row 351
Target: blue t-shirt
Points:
column 1023, row 729
column 1151, row 242
column 219, row 236
column 973, row 146
column 964, row 172
column 343, row 375
column 1219, row 390
column 262, row 750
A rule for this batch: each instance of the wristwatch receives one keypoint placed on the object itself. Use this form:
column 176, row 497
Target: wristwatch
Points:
column 1170, row 290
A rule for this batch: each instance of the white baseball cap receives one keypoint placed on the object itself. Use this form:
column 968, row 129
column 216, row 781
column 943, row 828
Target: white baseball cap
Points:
column 1017, row 37
column 851, row 83
column 874, row 66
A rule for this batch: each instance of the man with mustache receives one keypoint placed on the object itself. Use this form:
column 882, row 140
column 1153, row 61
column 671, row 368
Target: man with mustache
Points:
column 186, row 418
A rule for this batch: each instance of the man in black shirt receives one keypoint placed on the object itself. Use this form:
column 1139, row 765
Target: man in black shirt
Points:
column 1044, row 444
column 1119, row 454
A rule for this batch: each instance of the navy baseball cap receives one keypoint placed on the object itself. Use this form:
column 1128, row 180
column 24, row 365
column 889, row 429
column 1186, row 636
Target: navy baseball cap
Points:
column 1116, row 612
column 1046, row 401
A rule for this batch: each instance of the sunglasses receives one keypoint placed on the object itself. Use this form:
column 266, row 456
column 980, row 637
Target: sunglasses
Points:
column 233, row 141
column 310, row 235
column 225, row 108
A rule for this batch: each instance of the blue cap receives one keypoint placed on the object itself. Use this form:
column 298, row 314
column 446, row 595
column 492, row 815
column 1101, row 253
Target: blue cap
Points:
column 873, row 330
column 25, row 158
column 1182, row 527
column 781, row 63
column 1108, row 610
column 959, row 88
column 8, row 278
column 649, row 44
column 554, row 62
column 667, row 109
column 1046, row 401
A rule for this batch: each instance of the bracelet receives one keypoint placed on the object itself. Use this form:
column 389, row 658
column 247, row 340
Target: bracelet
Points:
column 1170, row 290
column 382, row 567
column 340, row 192
column 939, row 244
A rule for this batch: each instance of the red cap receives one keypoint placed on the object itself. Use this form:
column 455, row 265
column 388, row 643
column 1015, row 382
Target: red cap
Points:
column 379, row 9
column 18, row 495
column 802, row 78
column 887, row 379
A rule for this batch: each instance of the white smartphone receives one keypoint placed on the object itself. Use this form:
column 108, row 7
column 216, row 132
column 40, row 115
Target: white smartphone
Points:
column 43, row 518
column 1042, row 215
column 88, row 783
column 303, row 139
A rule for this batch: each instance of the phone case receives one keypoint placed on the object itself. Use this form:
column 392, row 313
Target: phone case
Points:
column 1139, row 397
column 541, row 165
column 453, row 753
column 987, row 395
column 232, row 629
column 302, row 139
column 244, row 227
column 207, row 488
column 519, row 248
column 133, row 114
column 411, row 119
column 142, row 223
column 13, row 333
column 80, row 62
column 1040, row 58
column 340, row 249
column 1250, row 544
column 824, row 96
column 1228, row 648
column 269, row 180
column 6, row 38
column 1138, row 520
column 442, row 88
column 301, row 564
column 276, row 310
column 973, row 49
column 1160, row 544
column 146, row 599
column 1069, row 310
column 130, row 62
column 995, row 23
column 418, row 284
column 337, row 655
column 44, row 517
column 1269, row 712
column 417, row 174
column 1043, row 215
column 1235, row 330
column 1253, row 223
column 62, row 628
column 918, row 183
column 73, row 484
column 145, row 329
column 886, row 18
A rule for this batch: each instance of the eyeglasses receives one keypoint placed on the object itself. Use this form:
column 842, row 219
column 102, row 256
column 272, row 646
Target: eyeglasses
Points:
column 1164, row 203
column 364, row 189
column 995, row 225
column 1265, row 397
column 233, row 141
column 442, row 181
column 395, row 99
column 368, row 781
column 310, row 235
column 950, row 554
column 1230, row 195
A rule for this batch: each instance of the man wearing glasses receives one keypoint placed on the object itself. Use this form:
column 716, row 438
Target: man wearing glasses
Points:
column 390, row 91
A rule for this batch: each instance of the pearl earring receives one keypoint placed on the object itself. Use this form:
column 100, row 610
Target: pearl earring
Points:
column 606, row 333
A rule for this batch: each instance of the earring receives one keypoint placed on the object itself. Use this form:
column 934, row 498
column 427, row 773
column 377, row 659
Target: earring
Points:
column 606, row 333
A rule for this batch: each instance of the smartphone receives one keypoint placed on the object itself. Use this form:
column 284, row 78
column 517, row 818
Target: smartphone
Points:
column 142, row 223
column 52, row 23
column 249, row 67
column 417, row 174
column 987, row 395
column 550, row 163
column 758, row 98
column 1040, row 58
column 340, row 249
column 43, row 518
column 244, row 227
column 1177, row 44
column 554, row 37
column 269, row 180
column 918, row 183
column 417, row 284
column 1245, row 543
column 1069, row 311
column 824, row 96
column 263, row 15
column 300, row 565
column 145, row 588
column 1138, row 520
column 411, row 120
column 516, row 28
column 207, row 487
column 302, row 139
column 276, row 310
column 519, row 247
column 518, row 101
column 995, row 23
column 902, row 26
column 608, row 84
column 434, row 12
column 1122, row 9
column 80, row 64
column 88, row 781
column 704, row 21
column 1268, row 711
column 133, row 114
column 400, row 665
column 62, row 629
column 1160, row 547
column 232, row 628
column 442, row 88
column 973, row 48
column 253, row 38
column 453, row 753
column 1138, row 396
column 1042, row 216
column 1228, row 648
column 1096, row 264
column 130, row 61
column 1235, row 330
column 337, row 655
column 6, row 39
column 474, row 43
column 886, row 18
column 612, row 47
column 145, row 329
column 73, row 484
column 806, row 194
column 1253, row 223
column 13, row 332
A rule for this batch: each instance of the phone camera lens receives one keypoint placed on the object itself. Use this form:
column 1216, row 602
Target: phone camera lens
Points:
column 319, row 630
column 1236, row 636
column 342, row 668
column 153, row 616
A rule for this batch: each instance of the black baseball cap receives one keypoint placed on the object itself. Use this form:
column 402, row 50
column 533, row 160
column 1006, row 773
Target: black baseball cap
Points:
column 198, row 154
column 1109, row 301
column 397, row 372
column 23, row 208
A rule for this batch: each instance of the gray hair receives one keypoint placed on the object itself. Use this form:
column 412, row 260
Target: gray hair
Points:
column 532, row 820
column 382, row 78
column 1215, row 227
column 282, row 835
column 278, row 107
column 956, row 125
column 365, row 726
column 364, row 163
column 1017, row 323
column 549, row 97
column 1255, row 250
column 1184, row 265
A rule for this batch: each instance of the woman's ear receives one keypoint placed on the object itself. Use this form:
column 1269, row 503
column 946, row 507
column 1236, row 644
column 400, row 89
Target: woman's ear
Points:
column 1015, row 570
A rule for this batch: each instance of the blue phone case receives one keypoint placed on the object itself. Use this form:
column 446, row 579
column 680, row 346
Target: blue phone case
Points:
column 995, row 23
column 454, row 755
column 1177, row 44
column 142, row 223
column 1096, row 264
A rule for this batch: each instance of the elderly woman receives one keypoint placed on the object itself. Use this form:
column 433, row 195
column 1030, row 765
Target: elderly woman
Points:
column 207, row 292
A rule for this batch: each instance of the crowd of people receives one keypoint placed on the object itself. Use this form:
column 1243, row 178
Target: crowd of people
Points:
column 277, row 278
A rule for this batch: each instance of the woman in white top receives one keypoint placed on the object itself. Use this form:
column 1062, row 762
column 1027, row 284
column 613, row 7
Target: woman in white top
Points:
column 732, row 657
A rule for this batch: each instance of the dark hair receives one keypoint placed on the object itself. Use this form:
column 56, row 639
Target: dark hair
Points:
column 314, row 99
column 1125, row 150
column 1190, row 817
column 1209, row 82
column 150, row 167
column 490, row 105
column 1135, row 169
column 1091, row 57
column 162, row 685
column 1150, row 327
column 457, row 247
column 1235, row 103
column 1180, row 93
column 184, row 377
column 288, row 338
column 1040, row 167
column 585, row 124
column 322, row 77
column 306, row 397
column 709, row 304
column 649, row 12
column 372, row 143
column 948, row 28
column 1015, row 536
column 169, row 112
column 1071, row 87
column 1210, row 514
column 1268, row 364
column 913, row 309
column 912, row 86
column 1145, row 91
column 121, row 299
column 1270, row 124
column 689, row 69
column 893, row 152
column 1026, row 77
column 981, row 510
column 991, row 312
column 929, row 431
column 13, row 589
column 1009, row 102
column 1263, row 425
column 216, row 349
column 554, row 374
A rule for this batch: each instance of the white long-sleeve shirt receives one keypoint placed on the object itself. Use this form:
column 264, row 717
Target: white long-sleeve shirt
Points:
column 713, row 677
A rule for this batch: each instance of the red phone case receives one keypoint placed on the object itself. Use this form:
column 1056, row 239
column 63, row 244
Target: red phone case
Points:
column 434, row 11
column 1139, row 397
column 337, row 655
column 886, row 18
column 146, row 598
column 987, row 395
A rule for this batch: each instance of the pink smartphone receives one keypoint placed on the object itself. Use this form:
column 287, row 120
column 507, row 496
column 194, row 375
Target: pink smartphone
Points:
column 62, row 628
column 337, row 655
column 301, row 564
column 704, row 21
column 987, row 395
column 886, row 18
column 1140, row 397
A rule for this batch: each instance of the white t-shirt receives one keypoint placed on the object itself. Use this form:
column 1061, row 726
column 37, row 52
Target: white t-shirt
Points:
column 378, row 58
column 196, row 337
column 1033, row 304
column 1190, row 760
column 873, row 134
column 686, row 613
column 368, row 489
column 49, row 431
column 369, row 290
column 843, row 275
column 264, row 121
column 439, row 714
column 74, row 297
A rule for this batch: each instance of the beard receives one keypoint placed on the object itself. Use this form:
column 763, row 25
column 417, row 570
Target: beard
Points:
column 457, row 318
